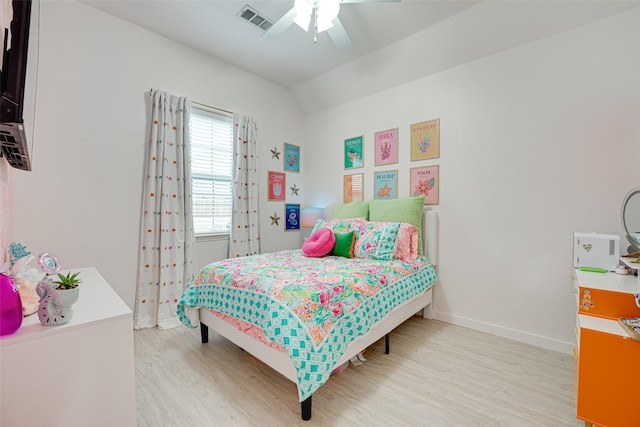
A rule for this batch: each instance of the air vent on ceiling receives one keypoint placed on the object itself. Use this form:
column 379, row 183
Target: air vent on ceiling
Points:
column 254, row 17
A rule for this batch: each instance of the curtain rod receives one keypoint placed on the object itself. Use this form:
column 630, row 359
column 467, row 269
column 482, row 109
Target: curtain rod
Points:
column 204, row 105
column 213, row 108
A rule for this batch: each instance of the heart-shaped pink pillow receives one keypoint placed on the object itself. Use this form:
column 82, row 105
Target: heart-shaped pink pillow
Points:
column 319, row 243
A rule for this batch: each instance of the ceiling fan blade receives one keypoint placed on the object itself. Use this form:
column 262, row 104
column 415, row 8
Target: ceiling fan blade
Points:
column 339, row 35
column 280, row 26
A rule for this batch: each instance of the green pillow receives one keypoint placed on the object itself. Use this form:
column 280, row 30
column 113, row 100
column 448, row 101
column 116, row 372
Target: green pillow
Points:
column 350, row 210
column 345, row 243
column 408, row 209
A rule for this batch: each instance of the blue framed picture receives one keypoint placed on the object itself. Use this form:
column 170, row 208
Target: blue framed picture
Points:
column 292, row 217
column 291, row 158
column 385, row 185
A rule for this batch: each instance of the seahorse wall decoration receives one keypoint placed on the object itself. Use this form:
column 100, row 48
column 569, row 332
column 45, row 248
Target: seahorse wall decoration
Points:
column 55, row 305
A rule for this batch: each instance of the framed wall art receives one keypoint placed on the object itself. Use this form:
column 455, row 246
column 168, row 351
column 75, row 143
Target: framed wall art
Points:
column 353, row 188
column 386, row 147
column 291, row 157
column 354, row 152
column 426, row 180
column 385, row 185
column 292, row 217
column 425, row 140
column 277, row 182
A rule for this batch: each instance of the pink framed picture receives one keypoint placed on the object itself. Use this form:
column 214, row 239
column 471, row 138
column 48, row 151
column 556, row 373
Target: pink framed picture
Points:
column 277, row 186
column 426, row 181
column 386, row 147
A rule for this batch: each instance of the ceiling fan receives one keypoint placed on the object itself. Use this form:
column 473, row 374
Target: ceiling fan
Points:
column 323, row 14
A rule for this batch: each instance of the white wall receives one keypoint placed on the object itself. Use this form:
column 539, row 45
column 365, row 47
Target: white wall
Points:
column 82, row 199
column 6, row 211
column 536, row 142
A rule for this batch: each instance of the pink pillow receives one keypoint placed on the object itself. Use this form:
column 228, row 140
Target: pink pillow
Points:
column 407, row 248
column 319, row 243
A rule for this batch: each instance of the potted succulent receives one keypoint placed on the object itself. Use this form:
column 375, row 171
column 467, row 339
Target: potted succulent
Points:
column 70, row 281
column 57, row 298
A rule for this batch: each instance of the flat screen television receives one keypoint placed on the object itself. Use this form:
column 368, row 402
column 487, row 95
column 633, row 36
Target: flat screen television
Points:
column 13, row 140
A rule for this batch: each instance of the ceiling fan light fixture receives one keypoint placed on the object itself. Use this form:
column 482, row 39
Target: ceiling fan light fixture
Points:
column 326, row 12
column 303, row 9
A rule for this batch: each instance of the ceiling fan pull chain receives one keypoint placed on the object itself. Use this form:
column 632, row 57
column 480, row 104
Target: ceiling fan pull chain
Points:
column 315, row 23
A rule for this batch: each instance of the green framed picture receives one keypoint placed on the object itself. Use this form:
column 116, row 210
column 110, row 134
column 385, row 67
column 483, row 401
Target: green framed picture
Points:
column 354, row 152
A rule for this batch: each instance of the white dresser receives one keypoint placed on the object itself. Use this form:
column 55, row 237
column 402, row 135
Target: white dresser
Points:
column 78, row 374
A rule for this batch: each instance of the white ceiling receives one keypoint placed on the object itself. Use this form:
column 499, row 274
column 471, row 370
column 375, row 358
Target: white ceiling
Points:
column 213, row 27
column 435, row 35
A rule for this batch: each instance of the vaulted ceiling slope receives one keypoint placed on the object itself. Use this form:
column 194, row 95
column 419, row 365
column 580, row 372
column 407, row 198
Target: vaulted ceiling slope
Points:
column 393, row 42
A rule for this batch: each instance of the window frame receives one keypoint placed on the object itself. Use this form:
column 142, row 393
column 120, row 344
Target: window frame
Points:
column 204, row 111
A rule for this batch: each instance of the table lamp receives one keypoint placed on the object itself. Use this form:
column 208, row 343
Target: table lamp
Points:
column 308, row 218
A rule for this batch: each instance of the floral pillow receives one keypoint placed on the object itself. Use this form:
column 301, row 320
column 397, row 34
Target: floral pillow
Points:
column 340, row 225
column 378, row 240
column 388, row 240
column 407, row 248
column 317, row 226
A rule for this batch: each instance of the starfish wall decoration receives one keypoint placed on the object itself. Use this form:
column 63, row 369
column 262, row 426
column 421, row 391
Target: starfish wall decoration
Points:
column 275, row 154
column 275, row 218
column 294, row 190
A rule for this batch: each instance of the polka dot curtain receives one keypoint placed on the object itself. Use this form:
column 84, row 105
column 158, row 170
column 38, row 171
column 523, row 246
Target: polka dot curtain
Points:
column 167, row 251
column 245, row 232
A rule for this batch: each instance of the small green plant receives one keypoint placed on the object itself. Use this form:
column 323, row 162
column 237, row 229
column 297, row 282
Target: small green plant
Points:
column 69, row 281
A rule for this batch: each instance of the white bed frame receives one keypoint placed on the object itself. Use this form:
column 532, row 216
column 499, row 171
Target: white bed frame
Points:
column 281, row 362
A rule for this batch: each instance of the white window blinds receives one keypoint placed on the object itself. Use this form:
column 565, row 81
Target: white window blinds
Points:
column 211, row 164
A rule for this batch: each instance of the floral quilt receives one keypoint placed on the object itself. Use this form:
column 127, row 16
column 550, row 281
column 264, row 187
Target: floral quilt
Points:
column 313, row 307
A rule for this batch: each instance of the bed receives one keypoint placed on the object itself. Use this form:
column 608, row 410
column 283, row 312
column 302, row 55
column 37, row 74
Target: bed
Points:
column 265, row 305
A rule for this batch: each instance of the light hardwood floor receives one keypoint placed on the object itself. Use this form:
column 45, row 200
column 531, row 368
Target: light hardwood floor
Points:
column 437, row 374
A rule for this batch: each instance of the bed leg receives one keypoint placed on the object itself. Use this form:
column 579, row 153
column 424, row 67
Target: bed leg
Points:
column 386, row 344
column 204, row 333
column 306, row 409
column 427, row 312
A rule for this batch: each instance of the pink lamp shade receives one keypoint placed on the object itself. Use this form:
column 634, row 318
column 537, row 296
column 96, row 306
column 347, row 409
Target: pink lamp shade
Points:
column 309, row 216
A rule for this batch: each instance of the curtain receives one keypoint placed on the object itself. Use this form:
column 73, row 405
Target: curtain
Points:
column 245, row 229
column 167, row 251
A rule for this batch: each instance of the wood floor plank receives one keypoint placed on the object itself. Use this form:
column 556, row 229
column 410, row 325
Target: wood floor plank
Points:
column 437, row 374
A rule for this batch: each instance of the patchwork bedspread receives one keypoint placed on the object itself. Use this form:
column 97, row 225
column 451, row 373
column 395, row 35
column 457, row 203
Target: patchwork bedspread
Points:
column 313, row 307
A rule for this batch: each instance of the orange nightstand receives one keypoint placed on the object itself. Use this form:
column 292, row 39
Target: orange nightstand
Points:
column 607, row 374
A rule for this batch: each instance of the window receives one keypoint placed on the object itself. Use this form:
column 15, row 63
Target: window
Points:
column 211, row 164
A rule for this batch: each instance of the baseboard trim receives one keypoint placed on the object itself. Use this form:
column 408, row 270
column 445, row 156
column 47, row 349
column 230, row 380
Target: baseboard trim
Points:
column 539, row 341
